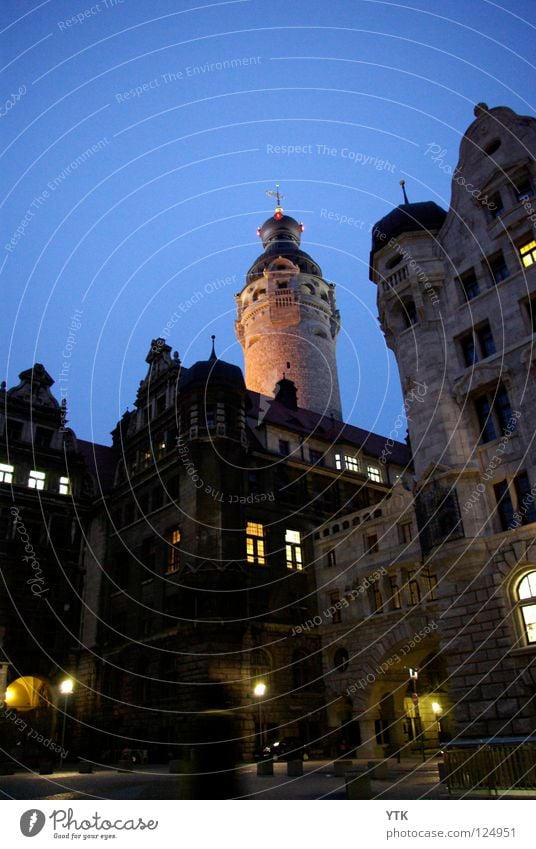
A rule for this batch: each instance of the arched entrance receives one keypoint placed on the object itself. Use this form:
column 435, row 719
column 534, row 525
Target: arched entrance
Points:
column 28, row 719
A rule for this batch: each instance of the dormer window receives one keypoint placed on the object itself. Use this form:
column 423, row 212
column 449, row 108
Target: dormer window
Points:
column 36, row 480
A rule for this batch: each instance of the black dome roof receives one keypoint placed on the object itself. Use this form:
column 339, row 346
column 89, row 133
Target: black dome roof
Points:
column 280, row 226
column 214, row 371
column 407, row 218
column 288, row 250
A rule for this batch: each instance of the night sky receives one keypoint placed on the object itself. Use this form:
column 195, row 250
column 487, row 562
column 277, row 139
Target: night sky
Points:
column 138, row 142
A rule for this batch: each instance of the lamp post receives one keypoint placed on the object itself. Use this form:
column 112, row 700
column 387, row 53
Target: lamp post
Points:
column 414, row 675
column 66, row 689
column 438, row 710
column 258, row 691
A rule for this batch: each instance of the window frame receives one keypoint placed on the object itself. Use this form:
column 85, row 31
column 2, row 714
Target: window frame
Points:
column 255, row 543
column 527, row 602
column 293, row 550
column 36, row 480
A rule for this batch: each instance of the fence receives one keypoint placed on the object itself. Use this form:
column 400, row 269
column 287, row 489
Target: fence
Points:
column 494, row 765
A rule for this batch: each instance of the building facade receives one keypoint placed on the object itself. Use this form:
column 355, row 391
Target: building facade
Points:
column 238, row 533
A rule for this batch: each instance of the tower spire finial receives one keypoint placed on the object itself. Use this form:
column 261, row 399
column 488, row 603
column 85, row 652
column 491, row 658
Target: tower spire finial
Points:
column 213, row 352
column 403, row 184
column 279, row 197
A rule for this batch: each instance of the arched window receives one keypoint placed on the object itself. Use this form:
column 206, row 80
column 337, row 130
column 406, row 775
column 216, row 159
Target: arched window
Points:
column 341, row 660
column 526, row 596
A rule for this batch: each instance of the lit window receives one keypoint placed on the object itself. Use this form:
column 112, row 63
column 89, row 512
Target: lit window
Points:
column 36, row 480
column 255, row 552
column 338, row 461
column 527, row 253
column 293, row 550
column 173, row 551
column 6, row 473
column 374, row 473
column 526, row 593
column 65, row 486
column 352, row 463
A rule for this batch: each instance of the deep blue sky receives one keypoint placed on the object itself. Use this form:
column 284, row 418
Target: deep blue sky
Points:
column 171, row 199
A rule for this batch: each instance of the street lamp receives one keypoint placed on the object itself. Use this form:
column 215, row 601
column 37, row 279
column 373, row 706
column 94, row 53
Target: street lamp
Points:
column 438, row 710
column 414, row 675
column 258, row 691
column 66, row 689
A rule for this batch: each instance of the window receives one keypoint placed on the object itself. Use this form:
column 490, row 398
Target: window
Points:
column 405, row 532
column 523, row 188
column 485, row 340
column 338, row 461
column 332, row 559
column 293, row 550
column 65, row 486
column 6, row 473
column 43, row 437
column 526, row 594
column 146, row 458
column 530, row 306
column 430, row 582
column 316, row 457
column 505, row 507
column 527, row 252
column 469, row 285
column 376, row 601
column 526, row 510
column 498, row 268
column 334, row 601
column 148, row 553
column 371, row 544
column 468, row 348
column 210, row 417
column 284, row 447
column 341, row 660
column 495, row 205
column 173, row 559
column 413, row 589
column 374, row 474
column 255, row 552
column 13, row 430
column 494, row 414
column 36, row 480
column 351, row 463
column 409, row 312
column 394, row 592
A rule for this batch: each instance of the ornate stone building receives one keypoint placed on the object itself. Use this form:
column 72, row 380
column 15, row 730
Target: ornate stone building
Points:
column 238, row 532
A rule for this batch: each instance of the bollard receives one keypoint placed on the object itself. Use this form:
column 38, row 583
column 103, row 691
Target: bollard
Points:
column 357, row 785
column 265, row 767
column 294, row 768
column 46, row 768
column 341, row 768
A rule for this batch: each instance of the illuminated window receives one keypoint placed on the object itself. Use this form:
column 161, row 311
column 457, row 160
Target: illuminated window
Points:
column 526, row 594
column 338, row 461
column 6, row 473
column 255, row 552
column 374, row 473
column 146, row 458
column 293, row 550
column 527, row 252
column 36, row 480
column 65, row 486
column 173, row 551
column 352, row 463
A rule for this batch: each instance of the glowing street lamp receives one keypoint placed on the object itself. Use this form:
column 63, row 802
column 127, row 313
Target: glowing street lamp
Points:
column 66, row 689
column 438, row 710
column 258, row 691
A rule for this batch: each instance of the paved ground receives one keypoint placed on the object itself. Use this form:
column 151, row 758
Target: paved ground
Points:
column 409, row 780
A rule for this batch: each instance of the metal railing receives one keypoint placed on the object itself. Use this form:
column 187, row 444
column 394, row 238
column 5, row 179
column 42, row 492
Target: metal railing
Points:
column 495, row 764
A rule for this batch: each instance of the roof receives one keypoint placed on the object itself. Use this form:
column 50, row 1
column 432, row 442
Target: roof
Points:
column 407, row 218
column 326, row 428
column 101, row 461
column 211, row 371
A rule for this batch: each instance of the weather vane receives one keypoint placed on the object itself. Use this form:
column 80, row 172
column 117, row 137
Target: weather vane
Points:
column 271, row 194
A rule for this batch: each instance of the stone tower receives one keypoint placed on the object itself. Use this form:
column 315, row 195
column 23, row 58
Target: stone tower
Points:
column 287, row 320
